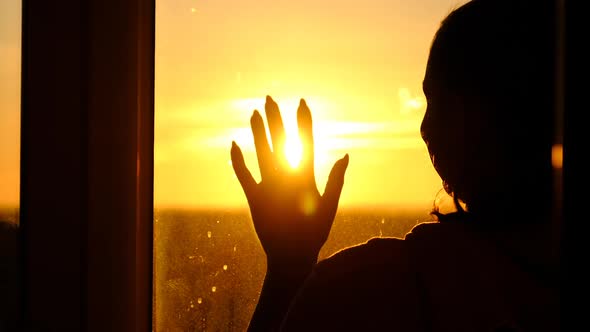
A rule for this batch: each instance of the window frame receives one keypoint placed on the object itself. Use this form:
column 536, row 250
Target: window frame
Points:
column 87, row 129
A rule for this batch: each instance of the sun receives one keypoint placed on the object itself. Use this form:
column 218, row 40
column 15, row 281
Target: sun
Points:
column 293, row 151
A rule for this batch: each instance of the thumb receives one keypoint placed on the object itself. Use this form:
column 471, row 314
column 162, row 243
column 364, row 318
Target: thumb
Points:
column 244, row 176
column 334, row 185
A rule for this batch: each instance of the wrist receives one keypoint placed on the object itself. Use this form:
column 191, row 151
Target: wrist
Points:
column 293, row 267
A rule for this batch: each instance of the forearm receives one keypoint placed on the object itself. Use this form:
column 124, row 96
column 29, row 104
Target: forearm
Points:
column 281, row 283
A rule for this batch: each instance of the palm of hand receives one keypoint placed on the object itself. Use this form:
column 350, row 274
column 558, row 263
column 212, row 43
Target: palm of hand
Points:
column 290, row 216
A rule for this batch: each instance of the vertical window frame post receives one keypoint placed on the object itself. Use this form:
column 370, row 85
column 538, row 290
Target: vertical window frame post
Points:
column 87, row 165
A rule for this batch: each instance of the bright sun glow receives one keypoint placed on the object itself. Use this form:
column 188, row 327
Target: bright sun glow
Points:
column 293, row 151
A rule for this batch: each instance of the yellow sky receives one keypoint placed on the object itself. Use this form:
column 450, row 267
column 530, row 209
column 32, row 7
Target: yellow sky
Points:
column 359, row 65
column 10, row 44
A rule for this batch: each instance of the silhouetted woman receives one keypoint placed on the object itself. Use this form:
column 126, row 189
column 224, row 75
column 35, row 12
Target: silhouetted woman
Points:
column 491, row 265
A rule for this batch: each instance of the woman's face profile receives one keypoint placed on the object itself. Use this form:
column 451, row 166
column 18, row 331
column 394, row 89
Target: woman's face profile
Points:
column 449, row 126
column 440, row 127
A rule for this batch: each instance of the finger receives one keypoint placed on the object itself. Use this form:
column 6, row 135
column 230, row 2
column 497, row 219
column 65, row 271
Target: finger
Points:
column 244, row 176
column 277, row 130
column 263, row 153
column 306, row 136
column 334, row 186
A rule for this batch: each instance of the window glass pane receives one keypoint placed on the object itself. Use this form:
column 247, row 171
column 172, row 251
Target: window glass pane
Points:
column 10, row 48
column 358, row 64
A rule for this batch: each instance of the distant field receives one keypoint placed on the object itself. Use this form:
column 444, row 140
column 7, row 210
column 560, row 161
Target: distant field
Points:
column 209, row 265
column 10, row 214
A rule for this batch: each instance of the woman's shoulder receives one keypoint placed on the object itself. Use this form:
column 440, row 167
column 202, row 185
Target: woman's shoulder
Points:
column 373, row 252
column 379, row 251
column 358, row 288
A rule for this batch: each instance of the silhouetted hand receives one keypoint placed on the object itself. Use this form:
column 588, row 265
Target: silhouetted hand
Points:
column 290, row 216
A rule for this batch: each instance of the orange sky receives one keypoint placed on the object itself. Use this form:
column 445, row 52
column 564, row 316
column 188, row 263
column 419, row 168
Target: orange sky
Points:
column 10, row 20
column 359, row 65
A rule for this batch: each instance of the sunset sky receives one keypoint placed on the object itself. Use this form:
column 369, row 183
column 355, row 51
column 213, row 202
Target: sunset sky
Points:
column 358, row 64
column 10, row 44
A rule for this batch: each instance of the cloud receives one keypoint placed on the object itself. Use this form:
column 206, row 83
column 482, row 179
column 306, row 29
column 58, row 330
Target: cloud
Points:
column 410, row 104
column 335, row 135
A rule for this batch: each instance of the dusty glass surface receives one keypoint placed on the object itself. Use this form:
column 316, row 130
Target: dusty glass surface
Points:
column 358, row 64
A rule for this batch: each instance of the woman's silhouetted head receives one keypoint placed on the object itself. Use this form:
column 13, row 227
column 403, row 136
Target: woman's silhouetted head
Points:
column 489, row 85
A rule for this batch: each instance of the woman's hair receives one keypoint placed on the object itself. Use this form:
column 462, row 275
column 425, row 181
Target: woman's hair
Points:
column 494, row 61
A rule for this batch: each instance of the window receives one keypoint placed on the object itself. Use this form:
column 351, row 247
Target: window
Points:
column 10, row 48
column 99, row 281
column 359, row 65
